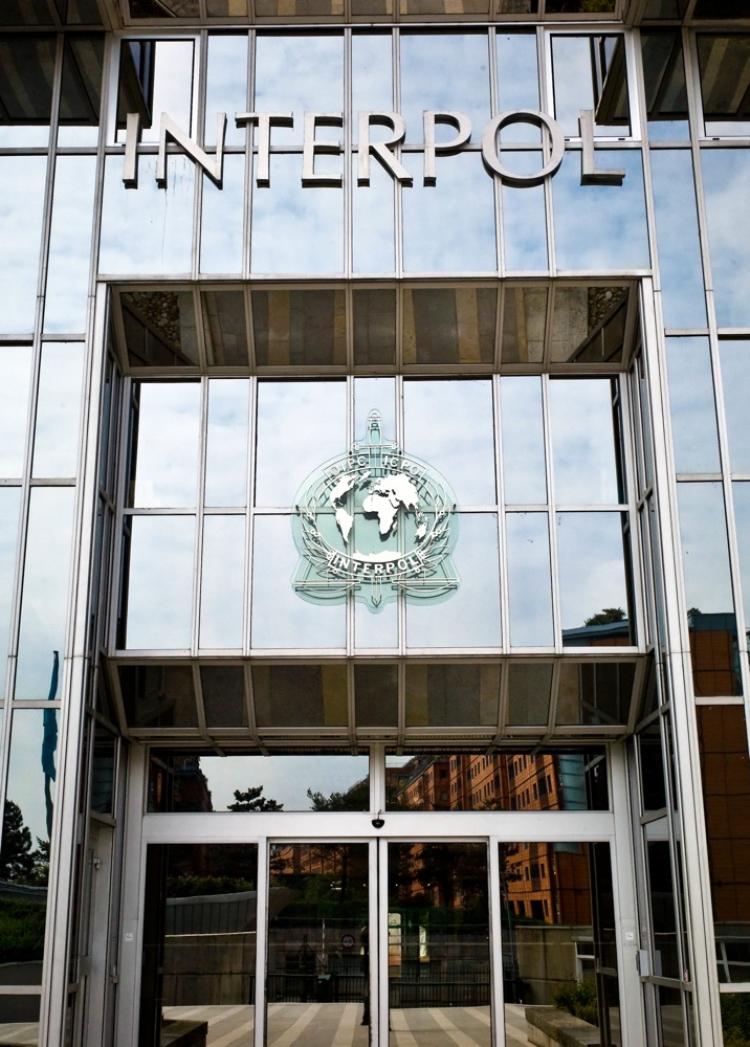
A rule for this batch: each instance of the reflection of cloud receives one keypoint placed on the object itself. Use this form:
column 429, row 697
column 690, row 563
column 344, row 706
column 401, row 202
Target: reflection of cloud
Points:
column 592, row 569
column 426, row 83
column 226, row 446
column 70, row 245
column 21, row 207
column 704, row 547
column 373, row 237
column 160, row 587
column 372, row 74
column 573, row 86
column 600, row 226
column 581, row 432
column 25, row 776
column 524, row 217
column 226, row 84
column 680, row 264
column 524, row 473
column 735, row 375
column 529, row 580
column 741, row 493
column 726, row 173
column 15, row 379
column 691, row 400
column 45, row 589
column 221, row 219
column 285, row 779
column 168, row 430
column 173, row 85
column 222, row 586
column 10, row 507
column 292, row 69
column 58, row 409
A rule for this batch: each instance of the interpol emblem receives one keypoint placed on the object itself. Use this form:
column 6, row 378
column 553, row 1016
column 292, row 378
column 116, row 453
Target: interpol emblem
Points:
column 375, row 522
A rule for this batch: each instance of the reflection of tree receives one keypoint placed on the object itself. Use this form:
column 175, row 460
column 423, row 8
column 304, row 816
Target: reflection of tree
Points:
column 22, row 918
column 251, row 800
column 607, row 616
column 18, row 863
column 356, row 798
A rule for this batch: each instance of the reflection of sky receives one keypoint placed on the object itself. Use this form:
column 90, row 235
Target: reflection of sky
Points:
column 168, row 429
column 15, row 379
column 21, row 204
column 726, row 175
column 425, row 83
column 529, row 580
column 148, row 229
column 573, row 77
column 226, row 85
column 45, row 589
column 226, row 447
column 160, row 586
column 372, row 75
column 296, row 229
column 524, row 216
column 704, row 548
column 375, row 394
column 25, row 776
column 222, row 587
column 281, row 618
column 373, row 221
column 300, row 426
column 741, row 493
column 10, row 505
column 581, row 430
column 285, row 779
column 680, row 264
column 735, row 375
column 449, row 227
column 221, row 219
column 173, row 85
column 592, row 571
column 435, row 414
column 292, row 69
column 691, row 400
column 600, row 226
column 58, row 409
column 523, row 440
column 70, row 244
column 470, row 616
column 517, row 81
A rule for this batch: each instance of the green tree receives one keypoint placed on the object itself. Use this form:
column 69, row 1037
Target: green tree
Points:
column 251, row 800
column 16, row 860
column 606, row 616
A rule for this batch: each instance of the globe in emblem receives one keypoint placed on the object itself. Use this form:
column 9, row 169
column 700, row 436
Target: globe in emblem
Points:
column 375, row 522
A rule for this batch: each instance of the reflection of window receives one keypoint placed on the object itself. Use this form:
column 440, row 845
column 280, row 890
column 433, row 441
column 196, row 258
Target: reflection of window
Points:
column 590, row 73
column 724, row 62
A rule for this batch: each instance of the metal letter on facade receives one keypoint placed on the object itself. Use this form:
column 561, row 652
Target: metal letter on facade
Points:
column 522, row 116
column 312, row 148
column 264, row 122
column 381, row 149
column 375, row 522
column 213, row 168
column 589, row 173
column 432, row 148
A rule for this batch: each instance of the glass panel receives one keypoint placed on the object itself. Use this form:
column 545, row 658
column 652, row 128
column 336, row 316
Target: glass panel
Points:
column 167, row 432
column 524, row 324
column 529, row 687
column 524, row 216
column 594, row 602
column 595, row 694
column 222, row 585
column 58, row 409
column 461, row 200
column 15, row 382
column 222, row 240
column 307, row 328
column 300, row 695
column 662, row 900
column 290, row 70
column 588, row 324
column 148, row 230
column 735, row 373
column 226, row 85
column 590, row 73
column 735, row 1017
column 226, row 442
column 725, row 174
column 555, row 935
column 103, row 770
column 468, row 467
column 376, row 695
column 156, row 76
column 671, row 1016
column 10, row 510
column 741, row 493
column 199, row 939
column 373, row 221
column 160, row 328
column 518, row 81
column 693, row 411
column 722, row 737
column 601, row 227
column 666, row 91
column 449, row 325
column 470, row 616
column 424, row 59
column 45, row 591
column 318, row 952
column 452, row 695
column 201, row 782
column 288, row 408
column 374, row 326
column 158, row 695
column 70, row 245
column 680, row 265
column 652, row 777
column 372, row 75
column 27, row 67
column 708, row 589
column 25, row 855
column 439, row 982
column 80, row 93
column 21, row 211
column 160, row 582
column 724, row 62
column 582, row 432
column 223, row 688
column 529, row 580
column 524, row 473
column 225, row 328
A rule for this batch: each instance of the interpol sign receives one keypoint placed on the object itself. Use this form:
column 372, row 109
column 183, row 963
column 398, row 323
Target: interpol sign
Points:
column 375, row 522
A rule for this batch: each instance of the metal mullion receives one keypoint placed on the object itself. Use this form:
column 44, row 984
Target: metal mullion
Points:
column 500, row 510
column 349, row 597
column 350, row 703
column 348, row 181
column 399, row 213
column 695, row 119
column 497, row 997
column 500, row 288
column 497, row 191
column 630, row 479
column 121, row 438
column 551, row 511
column 261, row 941
column 401, row 594
column 199, row 518
column 249, row 566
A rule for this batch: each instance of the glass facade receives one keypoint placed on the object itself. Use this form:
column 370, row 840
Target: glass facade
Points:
column 374, row 594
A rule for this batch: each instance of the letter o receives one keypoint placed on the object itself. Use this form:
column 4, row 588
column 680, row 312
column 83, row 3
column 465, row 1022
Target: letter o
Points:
column 522, row 116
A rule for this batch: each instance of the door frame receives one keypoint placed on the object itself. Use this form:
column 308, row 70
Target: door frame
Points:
column 491, row 828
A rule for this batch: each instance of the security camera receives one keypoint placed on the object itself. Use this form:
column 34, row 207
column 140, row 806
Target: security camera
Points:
column 378, row 822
